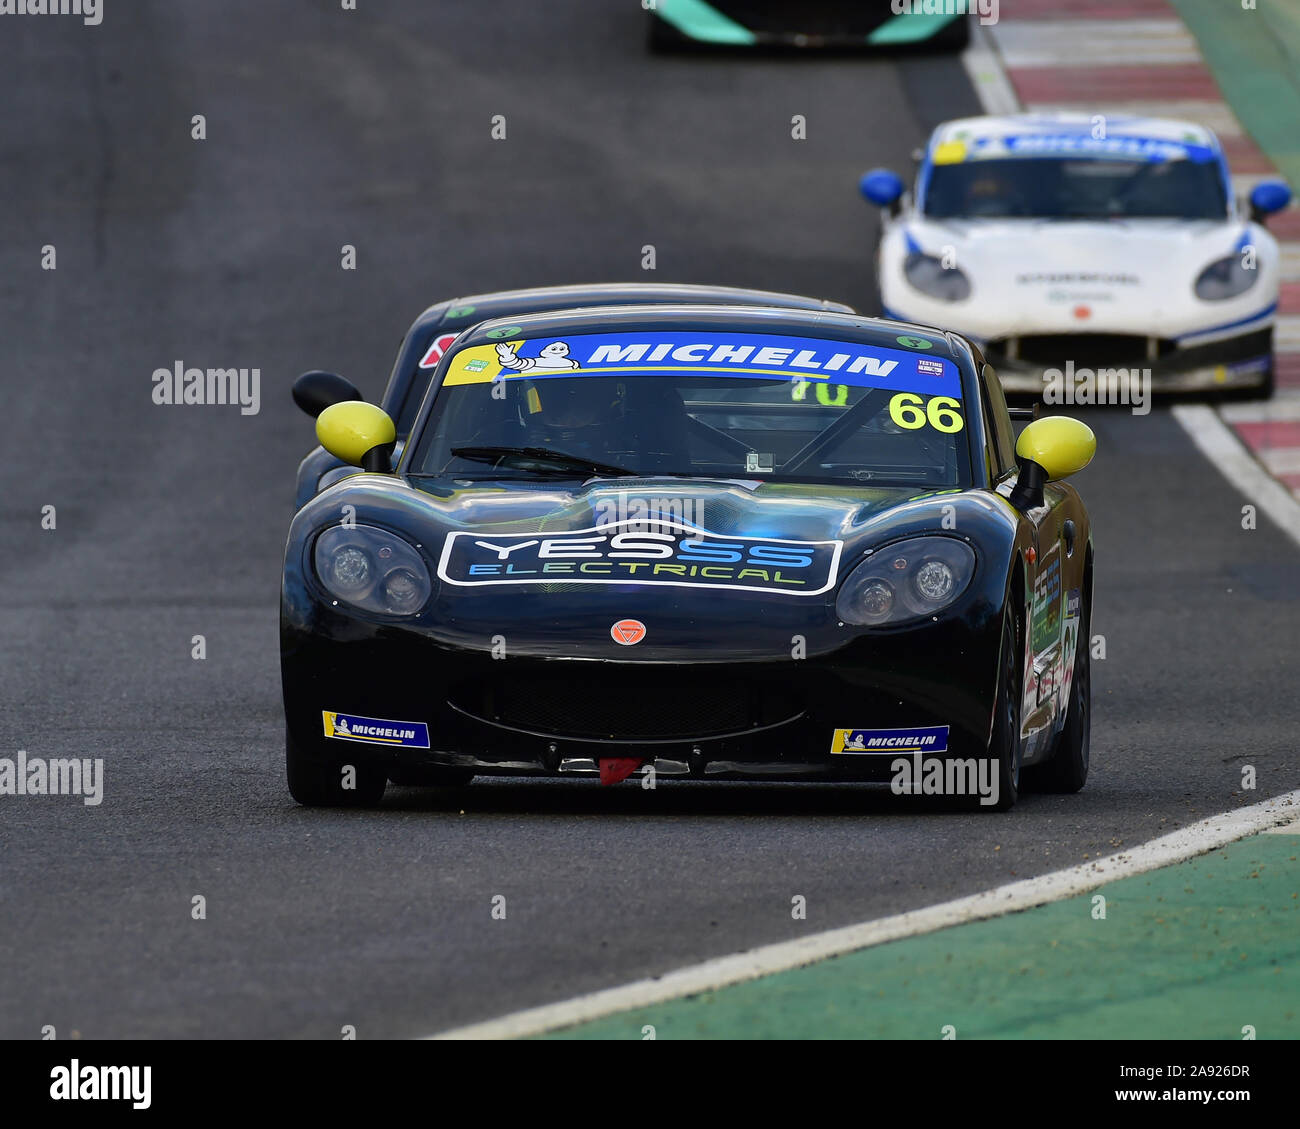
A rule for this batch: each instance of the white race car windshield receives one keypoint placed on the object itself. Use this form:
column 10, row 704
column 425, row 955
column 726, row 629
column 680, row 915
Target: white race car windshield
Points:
column 1088, row 188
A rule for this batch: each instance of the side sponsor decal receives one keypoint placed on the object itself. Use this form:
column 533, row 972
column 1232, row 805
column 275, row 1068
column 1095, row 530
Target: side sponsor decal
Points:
column 440, row 345
column 882, row 742
column 670, row 552
column 745, row 355
column 1045, row 616
column 375, row 730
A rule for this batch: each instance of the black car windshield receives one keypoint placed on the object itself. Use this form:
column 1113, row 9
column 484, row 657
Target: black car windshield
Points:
column 700, row 404
column 1075, row 188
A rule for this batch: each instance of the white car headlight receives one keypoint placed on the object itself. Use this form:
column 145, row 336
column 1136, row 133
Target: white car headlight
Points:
column 372, row 569
column 930, row 276
column 1225, row 278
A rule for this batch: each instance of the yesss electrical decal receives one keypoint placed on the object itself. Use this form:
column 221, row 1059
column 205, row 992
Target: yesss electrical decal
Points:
column 672, row 553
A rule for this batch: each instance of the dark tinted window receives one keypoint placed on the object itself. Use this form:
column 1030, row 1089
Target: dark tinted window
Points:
column 1075, row 188
column 697, row 424
column 1001, row 431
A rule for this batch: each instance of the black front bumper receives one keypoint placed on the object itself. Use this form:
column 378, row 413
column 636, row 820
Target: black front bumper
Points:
column 763, row 718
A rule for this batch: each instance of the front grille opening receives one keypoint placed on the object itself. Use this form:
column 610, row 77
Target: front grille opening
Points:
column 810, row 17
column 1086, row 350
column 597, row 707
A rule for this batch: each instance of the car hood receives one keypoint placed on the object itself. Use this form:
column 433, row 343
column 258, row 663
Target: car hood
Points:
column 737, row 507
column 548, row 568
column 1041, row 276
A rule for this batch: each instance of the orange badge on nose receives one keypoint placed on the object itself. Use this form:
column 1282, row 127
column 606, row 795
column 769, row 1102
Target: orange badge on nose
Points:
column 1082, row 312
column 628, row 631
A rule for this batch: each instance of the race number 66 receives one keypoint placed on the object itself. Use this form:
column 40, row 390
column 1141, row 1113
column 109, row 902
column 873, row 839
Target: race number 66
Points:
column 940, row 412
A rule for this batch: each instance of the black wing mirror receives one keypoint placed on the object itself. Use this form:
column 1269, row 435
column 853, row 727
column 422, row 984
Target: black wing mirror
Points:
column 315, row 391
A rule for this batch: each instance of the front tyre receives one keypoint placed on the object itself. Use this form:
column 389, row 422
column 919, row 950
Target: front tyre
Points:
column 1005, row 744
column 318, row 779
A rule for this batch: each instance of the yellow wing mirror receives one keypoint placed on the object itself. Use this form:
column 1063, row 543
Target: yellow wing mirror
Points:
column 1049, row 449
column 358, row 433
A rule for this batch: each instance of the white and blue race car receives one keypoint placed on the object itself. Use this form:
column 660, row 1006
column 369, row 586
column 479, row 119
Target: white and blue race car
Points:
column 1085, row 248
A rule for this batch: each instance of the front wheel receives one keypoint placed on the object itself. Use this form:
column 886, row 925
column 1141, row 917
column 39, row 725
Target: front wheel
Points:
column 334, row 781
column 1004, row 746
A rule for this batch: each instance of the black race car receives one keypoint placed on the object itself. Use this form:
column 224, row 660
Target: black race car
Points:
column 887, row 25
column 435, row 329
column 699, row 541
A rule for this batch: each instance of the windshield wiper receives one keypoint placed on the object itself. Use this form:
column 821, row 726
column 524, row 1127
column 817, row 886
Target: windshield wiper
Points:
column 561, row 459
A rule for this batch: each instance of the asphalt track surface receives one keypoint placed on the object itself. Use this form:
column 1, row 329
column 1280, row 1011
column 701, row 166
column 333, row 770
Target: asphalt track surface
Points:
column 373, row 128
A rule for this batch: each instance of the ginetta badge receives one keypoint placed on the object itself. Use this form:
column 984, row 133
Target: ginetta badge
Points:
column 627, row 632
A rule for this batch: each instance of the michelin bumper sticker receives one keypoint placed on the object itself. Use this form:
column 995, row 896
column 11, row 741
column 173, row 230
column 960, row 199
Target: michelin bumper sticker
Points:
column 663, row 552
column 375, row 730
column 886, row 742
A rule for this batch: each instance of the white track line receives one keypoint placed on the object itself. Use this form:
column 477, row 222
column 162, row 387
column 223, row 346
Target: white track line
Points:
column 1283, row 408
column 1188, row 842
column 1095, row 43
column 1280, row 460
column 1290, row 262
column 1286, row 336
column 987, row 74
column 1218, row 444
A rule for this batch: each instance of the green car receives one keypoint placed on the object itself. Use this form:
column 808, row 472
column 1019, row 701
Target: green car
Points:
column 886, row 24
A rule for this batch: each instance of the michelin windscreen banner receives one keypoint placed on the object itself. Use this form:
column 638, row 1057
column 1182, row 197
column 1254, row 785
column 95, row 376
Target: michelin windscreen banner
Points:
column 746, row 355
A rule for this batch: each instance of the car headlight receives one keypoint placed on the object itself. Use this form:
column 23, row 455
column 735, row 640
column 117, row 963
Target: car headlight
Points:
column 1225, row 278
column 372, row 569
column 906, row 580
column 930, row 276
